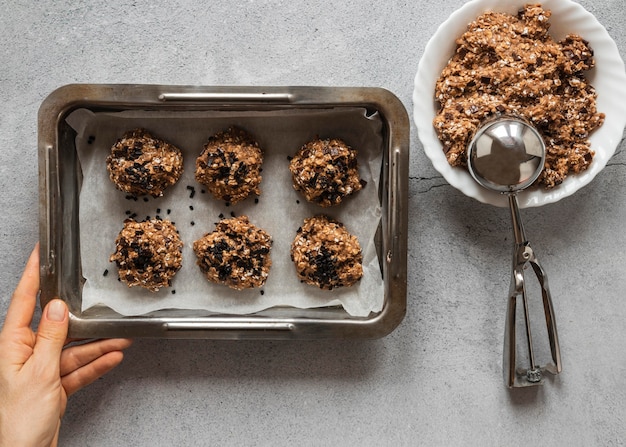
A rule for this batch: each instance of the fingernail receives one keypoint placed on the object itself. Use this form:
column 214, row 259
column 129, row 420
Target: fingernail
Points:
column 56, row 310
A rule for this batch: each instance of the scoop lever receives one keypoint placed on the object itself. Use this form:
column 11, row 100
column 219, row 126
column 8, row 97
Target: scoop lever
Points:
column 524, row 256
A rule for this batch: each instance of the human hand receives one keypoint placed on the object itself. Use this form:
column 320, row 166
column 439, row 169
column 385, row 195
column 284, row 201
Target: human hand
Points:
column 38, row 372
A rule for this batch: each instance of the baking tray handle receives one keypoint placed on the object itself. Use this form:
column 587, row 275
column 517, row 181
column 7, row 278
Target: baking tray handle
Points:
column 234, row 326
column 261, row 97
column 51, row 187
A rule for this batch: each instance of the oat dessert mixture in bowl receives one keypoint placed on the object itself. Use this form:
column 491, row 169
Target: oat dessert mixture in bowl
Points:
column 551, row 63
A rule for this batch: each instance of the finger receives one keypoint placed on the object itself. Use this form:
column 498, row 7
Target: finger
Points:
column 51, row 334
column 22, row 306
column 76, row 357
column 89, row 373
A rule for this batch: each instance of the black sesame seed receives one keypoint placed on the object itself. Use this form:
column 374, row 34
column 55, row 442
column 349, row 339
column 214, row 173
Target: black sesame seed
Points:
column 191, row 207
column 173, row 292
column 128, row 212
column 192, row 223
column 221, row 216
column 132, row 216
column 227, row 203
column 169, row 211
column 158, row 210
column 202, row 191
column 262, row 292
column 256, row 200
column 145, row 199
column 106, row 272
column 193, row 191
column 232, row 214
column 297, row 201
column 289, row 157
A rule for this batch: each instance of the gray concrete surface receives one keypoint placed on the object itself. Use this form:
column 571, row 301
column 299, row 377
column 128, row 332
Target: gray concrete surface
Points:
column 436, row 380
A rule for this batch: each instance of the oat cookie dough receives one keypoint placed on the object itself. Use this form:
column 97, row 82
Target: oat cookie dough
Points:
column 141, row 164
column 325, row 171
column 236, row 254
column 326, row 255
column 230, row 165
column 148, row 254
column 508, row 64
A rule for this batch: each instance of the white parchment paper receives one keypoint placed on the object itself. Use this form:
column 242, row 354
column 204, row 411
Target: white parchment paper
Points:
column 280, row 209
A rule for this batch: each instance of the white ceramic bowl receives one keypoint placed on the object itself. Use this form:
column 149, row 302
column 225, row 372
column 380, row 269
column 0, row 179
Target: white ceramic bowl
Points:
column 608, row 78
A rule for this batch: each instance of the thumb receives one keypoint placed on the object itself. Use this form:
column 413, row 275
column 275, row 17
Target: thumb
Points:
column 52, row 332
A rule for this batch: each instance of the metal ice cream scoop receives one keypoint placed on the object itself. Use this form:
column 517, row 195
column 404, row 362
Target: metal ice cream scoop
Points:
column 507, row 154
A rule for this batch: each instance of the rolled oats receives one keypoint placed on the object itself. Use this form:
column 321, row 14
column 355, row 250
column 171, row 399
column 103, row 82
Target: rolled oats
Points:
column 148, row 254
column 236, row 254
column 507, row 64
column 326, row 255
column 230, row 165
column 325, row 171
column 141, row 164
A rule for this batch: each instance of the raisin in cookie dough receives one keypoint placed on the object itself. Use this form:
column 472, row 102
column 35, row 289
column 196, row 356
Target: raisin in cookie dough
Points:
column 140, row 164
column 325, row 171
column 230, row 165
column 326, row 255
column 236, row 254
column 148, row 254
column 507, row 64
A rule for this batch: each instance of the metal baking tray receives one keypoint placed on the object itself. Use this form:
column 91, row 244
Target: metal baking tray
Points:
column 60, row 180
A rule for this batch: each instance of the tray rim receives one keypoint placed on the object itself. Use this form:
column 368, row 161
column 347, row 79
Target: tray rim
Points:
column 62, row 101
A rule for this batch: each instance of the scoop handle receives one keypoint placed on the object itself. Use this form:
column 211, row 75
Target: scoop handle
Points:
column 523, row 255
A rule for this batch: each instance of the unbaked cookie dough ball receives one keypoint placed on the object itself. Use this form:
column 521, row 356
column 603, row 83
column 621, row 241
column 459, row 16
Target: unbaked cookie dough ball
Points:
column 140, row 164
column 148, row 254
column 326, row 171
column 236, row 254
column 326, row 255
column 230, row 165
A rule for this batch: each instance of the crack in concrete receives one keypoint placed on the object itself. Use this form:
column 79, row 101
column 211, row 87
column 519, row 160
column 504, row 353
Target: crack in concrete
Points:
column 617, row 163
column 415, row 177
column 430, row 187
